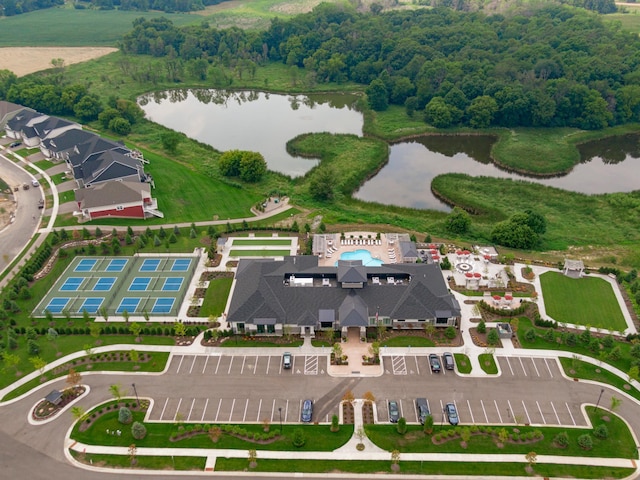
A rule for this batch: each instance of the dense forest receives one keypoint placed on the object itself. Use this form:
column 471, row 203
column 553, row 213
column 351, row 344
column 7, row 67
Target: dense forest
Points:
column 168, row 6
column 600, row 6
column 554, row 66
column 9, row 8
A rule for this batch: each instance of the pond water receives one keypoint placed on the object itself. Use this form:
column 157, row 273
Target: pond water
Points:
column 264, row 122
column 257, row 121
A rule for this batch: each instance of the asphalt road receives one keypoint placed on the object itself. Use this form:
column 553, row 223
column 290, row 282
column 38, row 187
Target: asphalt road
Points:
column 17, row 235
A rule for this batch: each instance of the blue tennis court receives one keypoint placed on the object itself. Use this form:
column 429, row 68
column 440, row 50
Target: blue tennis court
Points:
column 163, row 305
column 140, row 284
column 71, row 284
column 116, row 265
column 181, row 265
column 150, row 265
column 91, row 305
column 130, row 304
column 104, row 284
column 57, row 304
column 172, row 284
column 86, row 265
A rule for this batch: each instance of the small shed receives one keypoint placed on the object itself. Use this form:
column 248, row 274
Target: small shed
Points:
column 54, row 397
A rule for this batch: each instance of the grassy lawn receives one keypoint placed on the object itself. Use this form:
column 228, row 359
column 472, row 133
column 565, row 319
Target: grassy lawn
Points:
column 45, row 164
column 259, row 253
column 65, row 197
column 619, row 444
column 462, row 362
column 59, row 178
column 424, row 468
column 216, row 297
column 584, row 301
column 151, row 462
column 578, row 369
column 407, row 341
column 488, row 363
column 319, row 437
column 237, row 341
column 260, row 241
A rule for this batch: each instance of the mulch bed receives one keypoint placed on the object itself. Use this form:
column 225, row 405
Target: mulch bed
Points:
column 480, row 339
column 438, row 338
column 367, row 413
column 45, row 409
column 108, row 357
column 348, row 413
column 207, row 276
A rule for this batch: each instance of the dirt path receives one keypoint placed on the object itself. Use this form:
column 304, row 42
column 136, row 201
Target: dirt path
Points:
column 25, row 60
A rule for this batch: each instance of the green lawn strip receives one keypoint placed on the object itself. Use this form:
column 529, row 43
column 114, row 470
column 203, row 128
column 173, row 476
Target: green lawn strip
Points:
column 584, row 301
column 234, row 341
column 59, row 178
column 575, row 368
column 260, row 241
column 407, row 341
column 216, row 297
column 426, row 468
column 462, row 362
column 44, row 164
column 149, row 462
column 259, row 253
column 319, row 438
column 619, row 444
column 524, row 324
column 488, row 363
column 320, row 343
column 156, row 363
column 275, row 219
column 68, row 196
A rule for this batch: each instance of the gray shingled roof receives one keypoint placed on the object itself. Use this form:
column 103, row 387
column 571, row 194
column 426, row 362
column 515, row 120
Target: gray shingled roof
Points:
column 351, row 271
column 110, row 194
column 45, row 127
column 9, row 110
column 109, row 165
column 67, row 140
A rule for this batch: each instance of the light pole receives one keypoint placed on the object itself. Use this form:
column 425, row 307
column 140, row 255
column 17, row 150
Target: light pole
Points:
column 599, row 398
column 136, row 392
column 280, row 412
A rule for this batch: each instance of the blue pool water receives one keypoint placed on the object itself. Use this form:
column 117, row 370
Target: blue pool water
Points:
column 362, row 254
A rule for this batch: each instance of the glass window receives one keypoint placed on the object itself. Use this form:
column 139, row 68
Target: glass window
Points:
column 271, row 329
column 260, row 328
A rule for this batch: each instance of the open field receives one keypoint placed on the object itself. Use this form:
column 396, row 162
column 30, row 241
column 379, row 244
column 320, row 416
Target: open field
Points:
column 584, row 301
column 25, row 60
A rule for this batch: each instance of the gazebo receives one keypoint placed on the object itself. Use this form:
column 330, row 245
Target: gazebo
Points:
column 573, row 268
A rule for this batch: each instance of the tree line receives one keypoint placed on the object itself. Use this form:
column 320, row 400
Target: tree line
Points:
column 554, row 66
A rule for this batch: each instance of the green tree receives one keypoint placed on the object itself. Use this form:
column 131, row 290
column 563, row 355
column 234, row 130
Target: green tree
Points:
column 170, row 141
column 493, row 338
column 88, row 108
column 377, row 95
column 38, row 363
column 458, row 221
column 252, row 167
column 481, row 111
column 179, row 329
column 135, row 328
column 120, row 126
column 116, row 391
column 438, row 113
column 229, row 163
column 321, row 184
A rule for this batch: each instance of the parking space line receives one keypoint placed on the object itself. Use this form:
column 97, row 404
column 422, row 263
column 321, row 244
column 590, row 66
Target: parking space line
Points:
column 163, row 408
column 570, row 414
column 206, row 404
column 556, row 413
column 280, row 369
column 193, row 363
column 244, row 358
column 442, row 408
column 259, row 408
column 268, row 364
column 470, row 412
column 509, row 363
column 293, row 363
column 417, row 367
column 180, row 364
column 286, row 410
column 399, row 365
column 218, row 364
column 273, row 409
column 429, row 408
column 191, row 409
column 230, row 363
column 510, row 410
column 415, row 409
column 218, row 411
column 526, row 413
column 498, row 410
column 522, row 365
column 534, row 366
column 401, row 409
column 246, row 405
column 206, row 360
column 233, row 404
column 486, row 419
column 546, row 362
column 540, row 410
column 255, row 365
column 300, row 406
column 457, row 410
column 177, row 409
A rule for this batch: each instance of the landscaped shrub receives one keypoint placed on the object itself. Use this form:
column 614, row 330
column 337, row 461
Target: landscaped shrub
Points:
column 571, row 339
column 335, row 426
column 482, row 327
column 585, row 441
column 601, row 431
column 530, row 335
column 138, row 430
column 450, row 333
column 549, row 336
column 401, row 427
column 298, row 439
column 124, row 416
column 493, row 338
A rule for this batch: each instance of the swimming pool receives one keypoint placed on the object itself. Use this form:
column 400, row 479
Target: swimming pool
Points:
column 362, row 254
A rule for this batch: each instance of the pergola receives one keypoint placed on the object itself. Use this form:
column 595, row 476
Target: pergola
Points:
column 573, row 268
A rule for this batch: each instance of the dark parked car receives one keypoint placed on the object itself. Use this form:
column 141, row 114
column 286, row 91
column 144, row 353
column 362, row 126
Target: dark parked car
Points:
column 452, row 413
column 307, row 411
column 286, row 360
column 434, row 362
column 15, row 144
column 423, row 409
column 447, row 359
column 41, row 203
column 394, row 413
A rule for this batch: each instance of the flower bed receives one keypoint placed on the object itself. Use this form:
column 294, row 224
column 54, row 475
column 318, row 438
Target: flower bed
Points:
column 45, row 409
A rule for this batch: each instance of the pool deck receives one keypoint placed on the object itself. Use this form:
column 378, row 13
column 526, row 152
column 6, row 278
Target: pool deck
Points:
column 335, row 247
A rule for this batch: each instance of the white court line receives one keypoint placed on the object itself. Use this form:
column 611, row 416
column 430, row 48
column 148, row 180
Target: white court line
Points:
column 511, row 414
column 217, row 365
column 546, row 362
column 218, row 411
column 163, row 408
column 556, row 413
column 509, row 363
column 180, row 363
column 417, row 367
column 522, row 365
column 569, row 410
column 540, row 410
column 526, row 413
column 233, row 404
column 469, row 405
column 533, row 360
column 486, row 419
column 246, row 405
column 230, row 363
column 193, row 363
column 244, row 359
column 206, row 404
column 205, row 363
column 191, row 409
column 259, row 408
column 255, row 366
column 268, row 364
column 178, row 409
column 498, row 410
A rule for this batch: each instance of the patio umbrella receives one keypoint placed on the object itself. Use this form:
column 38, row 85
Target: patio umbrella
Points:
column 468, row 275
column 508, row 297
column 477, row 275
column 487, row 257
column 458, row 252
column 432, row 246
column 466, row 252
column 497, row 297
column 436, row 257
